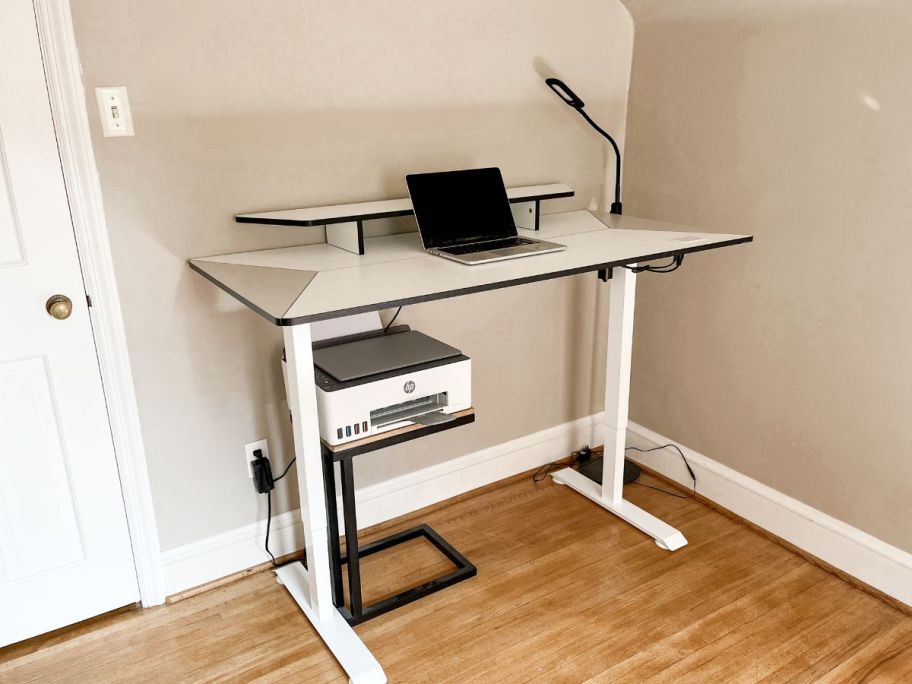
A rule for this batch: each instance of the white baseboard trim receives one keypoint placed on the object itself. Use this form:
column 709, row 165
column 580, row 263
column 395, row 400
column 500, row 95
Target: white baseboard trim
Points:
column 859, row 554
column 229, row 552
column 871, row 560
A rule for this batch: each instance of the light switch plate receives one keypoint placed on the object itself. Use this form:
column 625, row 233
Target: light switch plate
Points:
column 114, row 110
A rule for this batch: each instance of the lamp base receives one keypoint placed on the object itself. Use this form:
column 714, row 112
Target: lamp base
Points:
column 593, row 470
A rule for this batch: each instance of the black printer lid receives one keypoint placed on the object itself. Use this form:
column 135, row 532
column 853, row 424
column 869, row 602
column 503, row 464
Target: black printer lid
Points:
column 381, row 354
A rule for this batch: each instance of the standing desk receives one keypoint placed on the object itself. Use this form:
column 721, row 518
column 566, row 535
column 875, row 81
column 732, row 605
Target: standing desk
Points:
column 294, row 287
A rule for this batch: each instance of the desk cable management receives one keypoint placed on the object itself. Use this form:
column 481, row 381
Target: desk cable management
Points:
column 676, row 262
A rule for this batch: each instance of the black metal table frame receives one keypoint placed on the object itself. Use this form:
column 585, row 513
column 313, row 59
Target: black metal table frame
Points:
column 358, row 612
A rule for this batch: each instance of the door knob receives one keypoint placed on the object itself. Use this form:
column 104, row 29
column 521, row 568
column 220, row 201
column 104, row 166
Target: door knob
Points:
column 59, row 306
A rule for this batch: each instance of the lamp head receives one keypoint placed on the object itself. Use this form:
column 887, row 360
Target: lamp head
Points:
column 563, row 92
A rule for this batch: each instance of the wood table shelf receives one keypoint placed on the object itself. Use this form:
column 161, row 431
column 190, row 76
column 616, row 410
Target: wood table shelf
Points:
column 397, row 436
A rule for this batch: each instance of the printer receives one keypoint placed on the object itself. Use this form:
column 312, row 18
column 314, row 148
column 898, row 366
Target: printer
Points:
column 387, row 381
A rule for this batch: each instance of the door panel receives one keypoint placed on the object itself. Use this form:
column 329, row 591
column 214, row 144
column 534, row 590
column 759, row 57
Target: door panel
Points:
column 65, row 550
column 39, row 523
column 10, row 238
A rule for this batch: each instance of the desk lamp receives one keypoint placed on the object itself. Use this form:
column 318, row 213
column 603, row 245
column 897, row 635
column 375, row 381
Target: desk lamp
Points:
column 572, row 100
column 593, row 468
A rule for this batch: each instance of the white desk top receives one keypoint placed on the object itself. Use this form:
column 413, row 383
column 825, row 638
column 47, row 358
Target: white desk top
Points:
column 295, row 285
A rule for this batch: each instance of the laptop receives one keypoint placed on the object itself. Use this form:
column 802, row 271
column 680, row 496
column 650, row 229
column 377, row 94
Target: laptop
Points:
column 465, row 216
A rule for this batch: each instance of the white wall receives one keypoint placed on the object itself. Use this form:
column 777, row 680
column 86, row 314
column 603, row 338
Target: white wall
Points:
column 787, row 360
column 243, row 106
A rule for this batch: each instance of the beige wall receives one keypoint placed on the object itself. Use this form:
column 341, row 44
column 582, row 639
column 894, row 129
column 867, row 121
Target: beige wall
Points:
column 242, row 106
column 789, row 359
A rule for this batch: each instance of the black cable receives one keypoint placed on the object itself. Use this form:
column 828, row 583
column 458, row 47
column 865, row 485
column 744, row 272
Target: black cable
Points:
column 269, row 523
column 664, row 491
column 690, row 471
column 546, row 469
column 269, row 508
column 392, row 320
column 287, row 468
column 673, row 265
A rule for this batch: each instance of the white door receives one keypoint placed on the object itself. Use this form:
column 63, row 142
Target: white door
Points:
column 65, row 551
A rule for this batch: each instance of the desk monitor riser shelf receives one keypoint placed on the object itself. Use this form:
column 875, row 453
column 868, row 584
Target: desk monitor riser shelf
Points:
column 344, row 223
column 296, row 286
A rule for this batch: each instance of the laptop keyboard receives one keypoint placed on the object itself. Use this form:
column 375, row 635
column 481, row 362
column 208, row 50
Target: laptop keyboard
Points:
column 486, row 246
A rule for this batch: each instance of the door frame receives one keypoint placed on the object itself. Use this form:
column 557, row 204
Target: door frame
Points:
column 74, row 142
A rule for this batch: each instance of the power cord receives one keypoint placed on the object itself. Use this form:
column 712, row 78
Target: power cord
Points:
column 268, row 524
column 671, row 266
column 576, row 457
column 664, row 491
column 392, row 320
column 287, row 468
column 265, row 483
column 690, row 471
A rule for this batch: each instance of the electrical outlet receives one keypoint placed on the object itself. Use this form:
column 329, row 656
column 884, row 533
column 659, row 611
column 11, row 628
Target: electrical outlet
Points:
column 114, row 109
column 249, row 448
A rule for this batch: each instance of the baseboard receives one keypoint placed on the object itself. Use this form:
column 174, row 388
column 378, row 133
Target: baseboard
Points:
column 877, row 564
column 224, row 554
column 872, row 561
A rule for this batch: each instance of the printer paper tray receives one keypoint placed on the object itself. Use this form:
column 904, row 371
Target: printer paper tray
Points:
column 434, row 418
column 408, row 410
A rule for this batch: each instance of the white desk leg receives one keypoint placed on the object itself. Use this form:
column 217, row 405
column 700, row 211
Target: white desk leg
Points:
column 610, row 494
column 311, row 588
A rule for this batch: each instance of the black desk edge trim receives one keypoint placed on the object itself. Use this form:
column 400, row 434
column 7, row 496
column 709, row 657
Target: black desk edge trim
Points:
column 313, row 223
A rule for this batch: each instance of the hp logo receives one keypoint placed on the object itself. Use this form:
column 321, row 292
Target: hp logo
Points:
column 409, row 387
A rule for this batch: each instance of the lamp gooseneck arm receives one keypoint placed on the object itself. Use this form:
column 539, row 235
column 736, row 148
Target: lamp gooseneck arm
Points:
column 616, row 206
column 571, row 99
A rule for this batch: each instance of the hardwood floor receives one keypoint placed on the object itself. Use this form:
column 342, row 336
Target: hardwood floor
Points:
column 565, row 592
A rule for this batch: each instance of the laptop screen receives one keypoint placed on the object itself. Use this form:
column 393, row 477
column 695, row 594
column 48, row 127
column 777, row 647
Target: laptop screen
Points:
column 453, row 207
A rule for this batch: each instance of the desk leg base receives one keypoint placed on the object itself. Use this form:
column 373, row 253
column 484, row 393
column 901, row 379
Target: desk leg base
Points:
column 666, row 537
column 337, row 634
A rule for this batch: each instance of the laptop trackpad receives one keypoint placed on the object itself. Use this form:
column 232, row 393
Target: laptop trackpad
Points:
column 510, row 251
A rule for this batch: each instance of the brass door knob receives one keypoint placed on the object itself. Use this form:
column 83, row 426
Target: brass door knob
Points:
column 59, row 306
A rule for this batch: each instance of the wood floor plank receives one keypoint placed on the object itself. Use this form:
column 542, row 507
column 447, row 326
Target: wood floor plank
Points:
column 885, row 658
column 565, row 592
column 654, row 607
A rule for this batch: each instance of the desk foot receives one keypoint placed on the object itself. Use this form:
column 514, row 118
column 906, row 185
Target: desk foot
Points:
column 337, row 634
column 666, row 537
